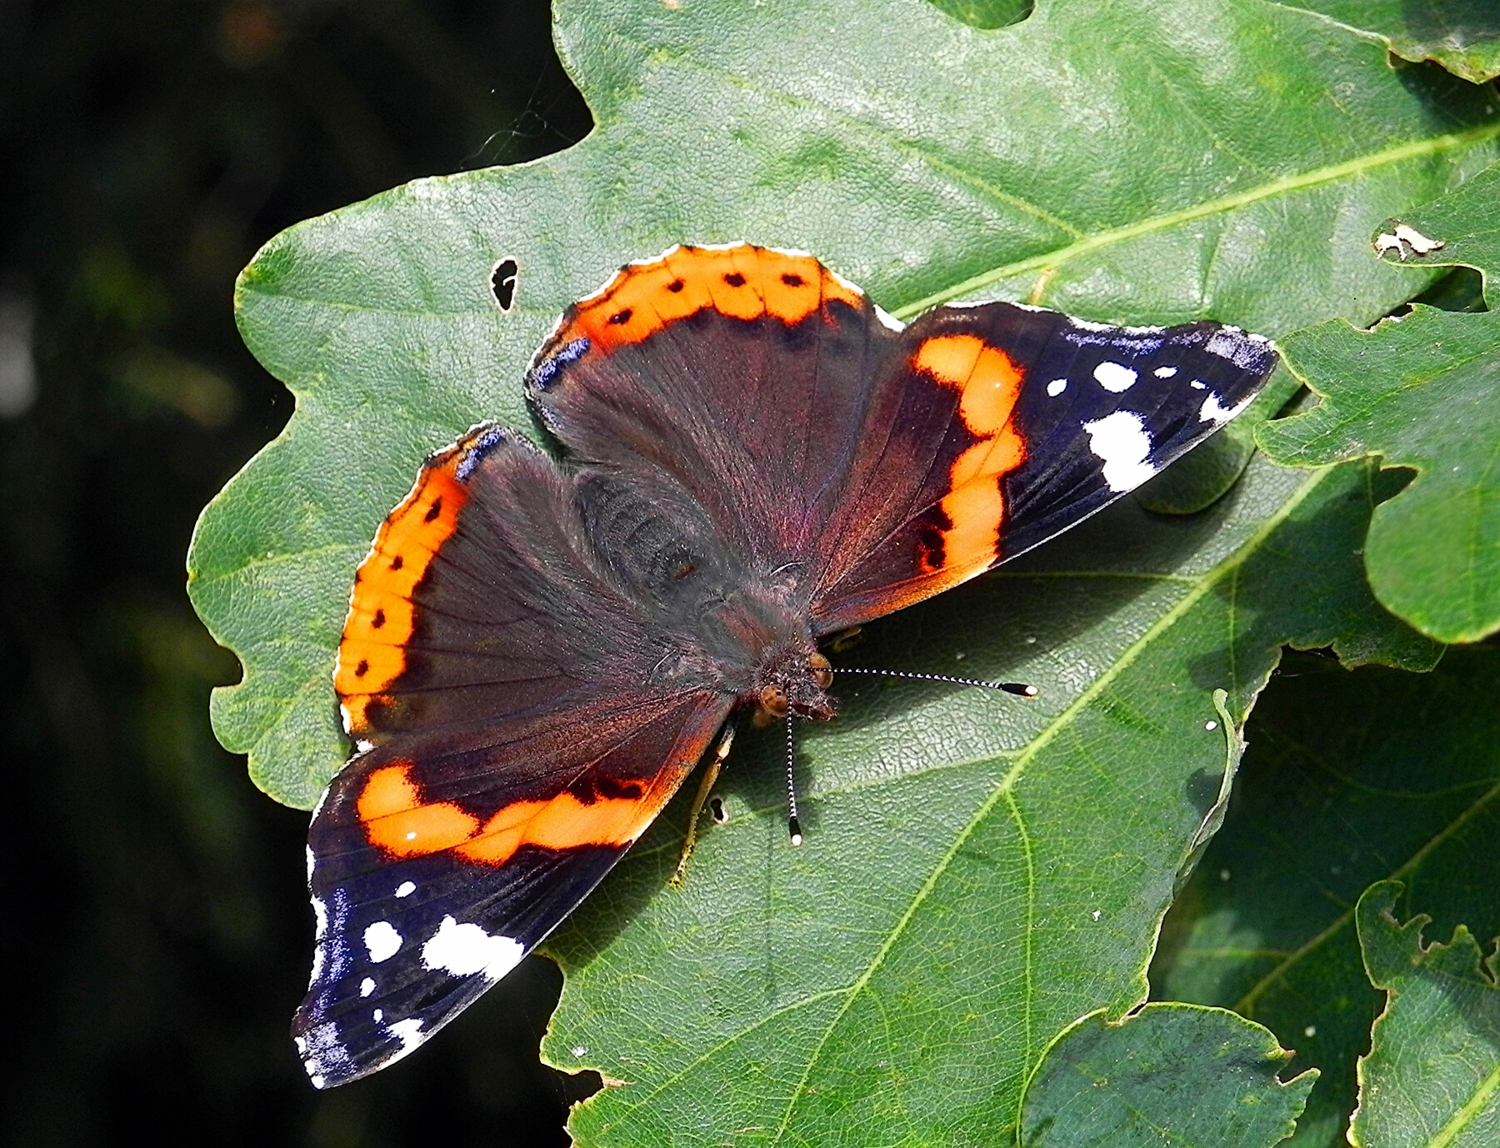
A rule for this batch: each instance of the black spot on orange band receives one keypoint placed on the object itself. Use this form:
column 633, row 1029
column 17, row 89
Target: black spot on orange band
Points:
column 372, row 652
column 744, row 282
column 989, row 384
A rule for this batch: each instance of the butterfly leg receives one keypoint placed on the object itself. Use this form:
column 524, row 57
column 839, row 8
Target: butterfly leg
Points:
column 710, row 775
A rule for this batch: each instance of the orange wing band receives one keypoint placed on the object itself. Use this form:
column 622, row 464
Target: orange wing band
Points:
column 396, row 819
column 372, row 653
column 743, row 281
column 989, row 384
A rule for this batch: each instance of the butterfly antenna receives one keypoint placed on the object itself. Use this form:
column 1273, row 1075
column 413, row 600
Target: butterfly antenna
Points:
column 1017, row 688
column 793, row 825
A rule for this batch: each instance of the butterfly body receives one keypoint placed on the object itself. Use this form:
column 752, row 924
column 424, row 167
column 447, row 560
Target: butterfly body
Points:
column 540, row 646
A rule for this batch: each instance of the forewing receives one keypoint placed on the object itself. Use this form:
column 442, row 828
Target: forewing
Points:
column 996, row 427
column 732, row 379
column 424, row 900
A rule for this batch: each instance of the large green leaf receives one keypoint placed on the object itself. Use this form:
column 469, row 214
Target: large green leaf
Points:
column 1422, row 392
column 1432, row 1077
column 1462, row 35
column 977, row 875
column 1179, row 1074
column 1349, row 779
column 1132, row 162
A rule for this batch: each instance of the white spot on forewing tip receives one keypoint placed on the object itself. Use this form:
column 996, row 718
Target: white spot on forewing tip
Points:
column 378, row 1015
column 405, row 889
column 1164, row 372
column 408, row 1032
column 1114, row 377
column 466, row 949
column 311, row 861
column 367, row 986
column 1244, row 351
column 1122, row 444
column 382, row 940
column 1057, row 387
column 314, row 1079
column 1213, row 411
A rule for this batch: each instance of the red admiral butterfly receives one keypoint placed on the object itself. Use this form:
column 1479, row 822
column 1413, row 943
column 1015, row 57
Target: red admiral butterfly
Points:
column 540, row 648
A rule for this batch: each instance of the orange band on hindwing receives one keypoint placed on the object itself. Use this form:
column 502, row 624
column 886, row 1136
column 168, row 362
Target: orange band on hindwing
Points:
column 743, row 282
column 989, row 384
column 372, row 652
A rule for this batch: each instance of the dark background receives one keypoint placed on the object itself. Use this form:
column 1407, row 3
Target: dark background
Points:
column 147, row 149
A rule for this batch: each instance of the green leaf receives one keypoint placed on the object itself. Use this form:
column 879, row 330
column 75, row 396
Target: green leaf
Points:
column 1423, row 393
column 1177, row 1074
column 1461, row 35
column 1432, row 1078
column 1349, row 779
column 985, row 13
column 1118, row 163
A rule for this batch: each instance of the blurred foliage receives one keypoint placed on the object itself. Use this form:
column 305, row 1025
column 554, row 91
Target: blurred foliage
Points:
column 149, row 149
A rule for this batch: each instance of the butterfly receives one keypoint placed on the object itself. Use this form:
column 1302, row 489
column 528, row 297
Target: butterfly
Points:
column 540, row 647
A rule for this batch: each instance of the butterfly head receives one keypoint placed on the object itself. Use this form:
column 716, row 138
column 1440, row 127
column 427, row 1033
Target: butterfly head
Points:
column 795, row 683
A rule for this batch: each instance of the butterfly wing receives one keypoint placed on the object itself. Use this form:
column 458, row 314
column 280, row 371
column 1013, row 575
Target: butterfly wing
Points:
column 1026, row 422
column 875, row 465
column 520, row 720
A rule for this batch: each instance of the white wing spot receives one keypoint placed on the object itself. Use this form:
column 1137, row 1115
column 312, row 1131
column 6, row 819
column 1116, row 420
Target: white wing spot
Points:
column 382, row 940
column 379, row 1015
column 1114, row 377
column 1057, row 387
column 409, row 1033
column 1244, row 351
column 1164, row 372
column 320, row 917
column 1213, row 411
column 311, row 861
column 405, row 889
column 1121, row 441
column 467, row 949
column 367, row 986
column 1197, row 386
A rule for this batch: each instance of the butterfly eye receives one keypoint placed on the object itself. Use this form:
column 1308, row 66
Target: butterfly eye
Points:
column 774, row 701
column 822, row 670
